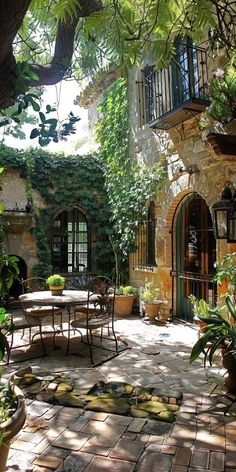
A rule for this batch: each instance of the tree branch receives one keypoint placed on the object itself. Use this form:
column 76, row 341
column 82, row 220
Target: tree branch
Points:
column 55, row 71
column 12, row 15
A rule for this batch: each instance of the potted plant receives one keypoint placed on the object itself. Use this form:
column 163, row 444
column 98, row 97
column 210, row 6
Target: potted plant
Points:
column 12, row 403
column 219, row 334
column 56, row 284
column 152, row 302
column 124, row 299
column 200, row 311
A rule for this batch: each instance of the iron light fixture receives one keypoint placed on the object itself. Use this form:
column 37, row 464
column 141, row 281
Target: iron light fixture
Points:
column 224, row 215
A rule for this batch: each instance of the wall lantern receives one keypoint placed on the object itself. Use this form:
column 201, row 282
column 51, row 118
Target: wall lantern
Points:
column 224, row 215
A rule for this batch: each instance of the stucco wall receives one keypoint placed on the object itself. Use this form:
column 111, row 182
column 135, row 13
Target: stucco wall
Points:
column 19, row 238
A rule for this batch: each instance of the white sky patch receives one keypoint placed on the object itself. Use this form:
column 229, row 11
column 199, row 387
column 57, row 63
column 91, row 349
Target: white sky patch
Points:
column 61, row 96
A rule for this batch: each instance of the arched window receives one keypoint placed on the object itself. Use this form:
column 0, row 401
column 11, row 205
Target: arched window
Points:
column 70, row 242
column 144, row 256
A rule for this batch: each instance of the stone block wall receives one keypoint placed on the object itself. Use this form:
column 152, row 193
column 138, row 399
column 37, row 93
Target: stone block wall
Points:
column 193, row 166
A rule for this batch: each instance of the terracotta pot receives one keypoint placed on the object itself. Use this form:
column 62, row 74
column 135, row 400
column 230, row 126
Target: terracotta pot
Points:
column 124, row 304
column 229, row 364
column 153, row 310
column 56, row 289
column 11, row 427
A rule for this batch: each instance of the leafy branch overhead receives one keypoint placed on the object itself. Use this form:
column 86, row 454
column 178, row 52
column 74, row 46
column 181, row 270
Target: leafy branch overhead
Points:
column 64, row 38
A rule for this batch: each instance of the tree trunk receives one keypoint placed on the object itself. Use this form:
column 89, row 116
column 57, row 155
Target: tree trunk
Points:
column 12, row 15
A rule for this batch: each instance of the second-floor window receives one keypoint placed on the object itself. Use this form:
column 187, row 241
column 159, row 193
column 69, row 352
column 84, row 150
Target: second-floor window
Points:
column 70, row 242
column 184, row 83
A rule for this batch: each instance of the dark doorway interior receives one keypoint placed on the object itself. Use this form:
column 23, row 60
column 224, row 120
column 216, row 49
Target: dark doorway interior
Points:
column 16, row 288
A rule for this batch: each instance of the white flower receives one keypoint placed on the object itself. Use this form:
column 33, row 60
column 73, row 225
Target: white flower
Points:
column 219, row 74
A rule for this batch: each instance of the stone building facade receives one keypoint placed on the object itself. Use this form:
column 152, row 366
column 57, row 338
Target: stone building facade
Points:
column 186, row 250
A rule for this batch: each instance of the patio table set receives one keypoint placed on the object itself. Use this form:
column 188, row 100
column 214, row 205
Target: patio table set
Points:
column 85, row 311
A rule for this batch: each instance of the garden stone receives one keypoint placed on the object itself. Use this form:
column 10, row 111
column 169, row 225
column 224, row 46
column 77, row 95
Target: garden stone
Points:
column 118, row 406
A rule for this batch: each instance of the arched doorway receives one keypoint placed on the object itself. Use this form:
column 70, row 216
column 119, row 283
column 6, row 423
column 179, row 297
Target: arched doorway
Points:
column 195, row 254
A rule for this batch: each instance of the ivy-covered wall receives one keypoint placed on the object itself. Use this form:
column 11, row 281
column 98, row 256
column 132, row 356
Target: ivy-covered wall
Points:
column 63, row 182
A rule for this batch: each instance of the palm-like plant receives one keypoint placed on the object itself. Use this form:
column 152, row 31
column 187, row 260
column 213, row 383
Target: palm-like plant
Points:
column 219, row 333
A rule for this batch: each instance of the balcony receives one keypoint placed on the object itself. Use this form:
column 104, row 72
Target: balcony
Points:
column 168, row 97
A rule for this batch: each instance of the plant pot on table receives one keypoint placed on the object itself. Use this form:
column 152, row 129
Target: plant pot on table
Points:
column 56, row 289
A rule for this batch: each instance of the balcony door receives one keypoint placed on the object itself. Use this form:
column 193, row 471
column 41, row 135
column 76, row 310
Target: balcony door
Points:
column 195, row 252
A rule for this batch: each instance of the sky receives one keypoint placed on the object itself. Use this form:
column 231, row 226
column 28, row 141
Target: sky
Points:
column 63, row 93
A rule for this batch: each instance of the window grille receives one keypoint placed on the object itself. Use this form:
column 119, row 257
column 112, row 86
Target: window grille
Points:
column 144, row 257
column 184, row 83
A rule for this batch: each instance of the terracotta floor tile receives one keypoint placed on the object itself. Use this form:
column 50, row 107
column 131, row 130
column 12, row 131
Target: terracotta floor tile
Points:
column 127, row 450
column 71, row 440
column 51, row 462
column 102, row 464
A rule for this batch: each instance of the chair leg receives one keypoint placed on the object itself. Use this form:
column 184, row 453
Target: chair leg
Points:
column 8, row 348
column 115, row 338
column 90, row 344
column 42, row 341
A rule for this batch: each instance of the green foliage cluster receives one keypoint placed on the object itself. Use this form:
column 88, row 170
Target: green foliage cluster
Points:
column 151, row 293
column 226, row 272
column 129, row 186
column 64, row 182
column 55, row 279
column 223, row 95
column 219, row 330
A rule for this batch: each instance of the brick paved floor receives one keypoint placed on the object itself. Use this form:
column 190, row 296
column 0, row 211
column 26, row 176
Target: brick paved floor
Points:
column 63, row 439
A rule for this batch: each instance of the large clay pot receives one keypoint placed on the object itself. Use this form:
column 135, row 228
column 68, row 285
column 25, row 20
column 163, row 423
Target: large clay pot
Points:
column 124, row 304
column 11, row 427
column 229, row 363
column 153, row 310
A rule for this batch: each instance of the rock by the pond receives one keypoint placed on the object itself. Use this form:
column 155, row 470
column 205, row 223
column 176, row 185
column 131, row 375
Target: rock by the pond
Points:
column 136, row 413
column 118, row 406
column 47, row 397
column 68, row 399
column 34, row 388
column 24, row 370
column 156, row 407
column 64, row 387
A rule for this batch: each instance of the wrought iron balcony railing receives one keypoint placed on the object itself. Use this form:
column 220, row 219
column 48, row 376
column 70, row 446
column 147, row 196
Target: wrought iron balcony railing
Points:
column 168, row 97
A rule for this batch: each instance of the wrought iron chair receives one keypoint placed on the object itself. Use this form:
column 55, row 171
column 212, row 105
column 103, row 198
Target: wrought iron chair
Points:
column 37, row 284
column 97, row 314
column 21, row 322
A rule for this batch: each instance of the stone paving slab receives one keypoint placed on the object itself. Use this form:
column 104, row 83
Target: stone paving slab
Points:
column 64, row 439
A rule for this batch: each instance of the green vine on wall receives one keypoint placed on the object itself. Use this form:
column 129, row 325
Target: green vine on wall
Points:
column 64, row 182
column 129, row 186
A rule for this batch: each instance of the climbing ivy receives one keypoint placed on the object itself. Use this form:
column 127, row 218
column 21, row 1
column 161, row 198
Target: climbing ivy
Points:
column 63, row 182
column 129, row 186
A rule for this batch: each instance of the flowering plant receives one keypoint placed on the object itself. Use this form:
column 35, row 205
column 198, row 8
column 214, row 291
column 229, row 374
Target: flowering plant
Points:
column 222, row 93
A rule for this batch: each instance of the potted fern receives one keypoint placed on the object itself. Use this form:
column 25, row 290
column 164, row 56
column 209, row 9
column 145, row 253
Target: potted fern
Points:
column 56, row 284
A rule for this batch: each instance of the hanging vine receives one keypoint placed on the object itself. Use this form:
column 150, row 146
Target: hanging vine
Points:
column 63, row 182
column 129, row 186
